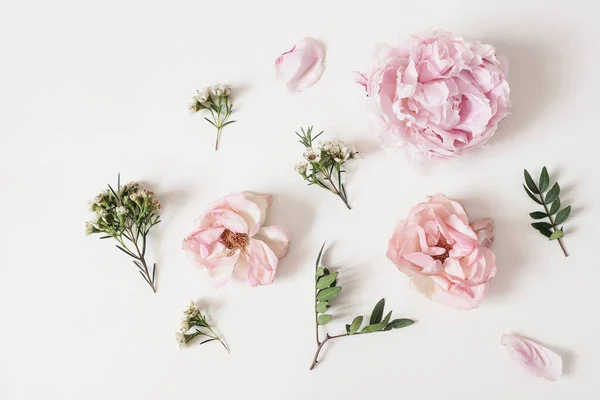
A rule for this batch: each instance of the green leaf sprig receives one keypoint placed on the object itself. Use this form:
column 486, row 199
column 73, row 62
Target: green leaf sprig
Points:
column 127, row 215
column 323, row 163
column 217, row 101
column 547, row 198
column 193, row 320
column 326, row 289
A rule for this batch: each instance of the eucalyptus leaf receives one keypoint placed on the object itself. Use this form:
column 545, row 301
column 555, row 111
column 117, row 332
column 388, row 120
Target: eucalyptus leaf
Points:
column 552, row 193
column 319, row 256
column 557, row 234
column 541, row 225
column 377, row 313
column 555, row 207
column 326, row 281
column 323, row 319
column 329, row 293
column 386, row 319
column 322, row 306
column 530, row 183
column 544, row 180
column 372, row 328
column 532, row 197
column 538, row 215
column 355, row 326
column 545, row 232
column 347, row 329
column 400, row 323
column 562, row 215
column 320, row 272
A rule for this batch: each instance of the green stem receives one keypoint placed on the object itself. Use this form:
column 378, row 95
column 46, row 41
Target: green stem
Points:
column 218, row 338
column 552, row 223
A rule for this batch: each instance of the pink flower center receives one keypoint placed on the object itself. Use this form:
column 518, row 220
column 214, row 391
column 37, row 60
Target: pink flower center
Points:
column 444, row 245
column 234, row 240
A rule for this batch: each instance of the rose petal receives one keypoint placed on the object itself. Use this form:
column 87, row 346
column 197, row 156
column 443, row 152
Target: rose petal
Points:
column 302, row 66
column 262, row 263
column 440, row 289
column 484, row 229
column 276, row 238
column 538, row 359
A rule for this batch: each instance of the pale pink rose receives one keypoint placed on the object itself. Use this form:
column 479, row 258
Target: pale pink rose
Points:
column 230, row 238
column 437, row 94
column 537, row 359
column 448, row 259
column 302, row 66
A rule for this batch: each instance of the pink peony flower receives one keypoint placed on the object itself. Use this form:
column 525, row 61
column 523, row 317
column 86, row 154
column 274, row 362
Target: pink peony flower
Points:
column 230, row 238
column 537, row 359
column 448, row 259
column 302, row 66
column 437, row 94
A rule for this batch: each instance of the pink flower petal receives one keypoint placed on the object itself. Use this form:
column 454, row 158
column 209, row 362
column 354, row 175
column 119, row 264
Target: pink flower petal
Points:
column 484, row 229
column 262, row 263
column 439, row 289
column 537, row 359
column 302, row 66
column 276, row 238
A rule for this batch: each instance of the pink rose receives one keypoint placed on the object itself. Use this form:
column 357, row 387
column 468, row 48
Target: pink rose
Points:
column 448, row 259
column 438, row 94
column 230, row 238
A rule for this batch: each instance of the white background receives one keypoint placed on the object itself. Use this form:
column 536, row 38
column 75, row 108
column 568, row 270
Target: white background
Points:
column 90, row 89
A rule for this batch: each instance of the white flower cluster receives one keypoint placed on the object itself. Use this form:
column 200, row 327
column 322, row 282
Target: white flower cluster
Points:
column 334, row 149
column 203, row 98
column 112, row 209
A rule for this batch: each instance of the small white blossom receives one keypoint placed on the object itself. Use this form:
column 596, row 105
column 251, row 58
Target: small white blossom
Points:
column 219, row 90
column 192, row 310
column 96, row 218
column 325, row 146
column 121, row 210
column 311, row 155
column 89, row 228
column 227, row 91
column 355, row 153
column 203, row 95
column 180, row 339
column 185, row 325
column 301, row 167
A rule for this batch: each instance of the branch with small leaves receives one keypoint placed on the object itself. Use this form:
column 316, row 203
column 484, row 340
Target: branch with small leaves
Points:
column 193, row 320
column 547, row 198
column 326, row 289
column 323, row 165
column 127, row 215
column 217, row 101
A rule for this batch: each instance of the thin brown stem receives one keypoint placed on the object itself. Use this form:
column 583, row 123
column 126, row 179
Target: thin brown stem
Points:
column 552, row 223
column 142, row 259
column 320, row 346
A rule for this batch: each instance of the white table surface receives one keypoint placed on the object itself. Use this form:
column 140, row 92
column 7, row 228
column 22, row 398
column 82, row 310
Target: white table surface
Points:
column 90, row 89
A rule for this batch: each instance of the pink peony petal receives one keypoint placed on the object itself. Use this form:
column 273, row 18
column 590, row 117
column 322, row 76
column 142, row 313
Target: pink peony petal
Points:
column 484, row 229
column 302, row 66
column 262, row 263
column 537, row 359
column 276, row 238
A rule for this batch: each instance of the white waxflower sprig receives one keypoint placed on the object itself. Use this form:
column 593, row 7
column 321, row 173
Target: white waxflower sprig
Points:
column 323, row 163
column 127, row 215
column 216, row 100
column 194, row 320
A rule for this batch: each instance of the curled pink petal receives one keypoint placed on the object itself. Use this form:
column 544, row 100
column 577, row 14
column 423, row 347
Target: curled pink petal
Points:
column 484, row 229
column 536, row 358
column 276, row 238
column 262, row 263
column 302, row 66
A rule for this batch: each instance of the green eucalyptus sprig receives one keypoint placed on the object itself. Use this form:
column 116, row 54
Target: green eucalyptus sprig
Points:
column 194, row 320
column 544, row 197
column 127, row 215
column 217, row 101
column 326, row 289
column 323, row 164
